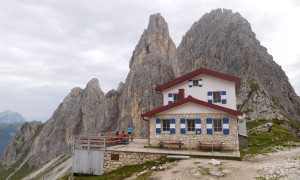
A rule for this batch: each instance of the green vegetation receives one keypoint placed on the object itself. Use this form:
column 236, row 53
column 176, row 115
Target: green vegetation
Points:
column 38, row 131
column 253, row 85
column 278, row 138
column 126, row 171
column 5, row 171
column 24, row 171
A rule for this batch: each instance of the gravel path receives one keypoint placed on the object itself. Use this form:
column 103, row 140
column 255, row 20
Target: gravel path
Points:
column 280, row 165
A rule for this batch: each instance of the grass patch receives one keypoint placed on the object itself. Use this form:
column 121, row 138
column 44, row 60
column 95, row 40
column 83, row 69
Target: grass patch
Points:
column 278, row 138
column 38, row 130
column 5, row 171
column 24, row 171
column 126, row 171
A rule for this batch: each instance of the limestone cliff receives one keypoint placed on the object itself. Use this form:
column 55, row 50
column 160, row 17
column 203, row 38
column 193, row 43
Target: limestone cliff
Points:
column 223, row 41
column 83, row 111
column 151, row 63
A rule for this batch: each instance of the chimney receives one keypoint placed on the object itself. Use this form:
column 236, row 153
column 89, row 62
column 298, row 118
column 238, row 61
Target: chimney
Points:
column 181, row 94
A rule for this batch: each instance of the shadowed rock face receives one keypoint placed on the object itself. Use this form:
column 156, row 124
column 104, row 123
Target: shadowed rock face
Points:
column 151, row 63
column 223, row 41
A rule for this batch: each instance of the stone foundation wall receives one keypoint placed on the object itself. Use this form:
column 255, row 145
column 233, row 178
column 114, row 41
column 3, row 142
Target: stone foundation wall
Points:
column 230, row 141
column 116, row 159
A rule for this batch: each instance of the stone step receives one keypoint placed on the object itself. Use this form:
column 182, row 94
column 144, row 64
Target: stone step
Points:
column 178, row 157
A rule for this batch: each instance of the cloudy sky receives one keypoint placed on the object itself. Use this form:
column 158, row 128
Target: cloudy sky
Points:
column 48, row 47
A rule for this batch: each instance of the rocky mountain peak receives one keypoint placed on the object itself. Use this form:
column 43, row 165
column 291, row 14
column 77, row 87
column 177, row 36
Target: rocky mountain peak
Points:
column 158, row 25
column 93, row 86
column 224, row 41
column 153, row 61
column 93, row 83
column 154, row 40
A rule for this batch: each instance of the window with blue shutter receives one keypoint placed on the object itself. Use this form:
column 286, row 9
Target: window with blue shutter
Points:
column 182, row 126
column 226, row 126
column 198, row 125
column 209, row 96
column 200, row 82
column 217, row 126
column 158, row 126
column 223, row 97
column 172, row 126
column 209, row 125
column 190, row 83
column 170, row 98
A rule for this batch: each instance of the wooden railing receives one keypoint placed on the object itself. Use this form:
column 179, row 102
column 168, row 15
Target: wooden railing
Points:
column 89, row 142
column 100, row 142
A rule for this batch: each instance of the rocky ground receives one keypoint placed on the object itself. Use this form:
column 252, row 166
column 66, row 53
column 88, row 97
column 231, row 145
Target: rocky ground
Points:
column 280, row 165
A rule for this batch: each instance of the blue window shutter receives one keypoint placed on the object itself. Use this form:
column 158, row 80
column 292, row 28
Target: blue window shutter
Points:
column 209, row 97
column 172, row 126
column 182, row 126
column 224, row 101
column 225, row 126
column 190, row 83
column 158, row 126
column 200, row 83
column 170, row 98
column 223, row 97
column 198, row 125
column 209, row 125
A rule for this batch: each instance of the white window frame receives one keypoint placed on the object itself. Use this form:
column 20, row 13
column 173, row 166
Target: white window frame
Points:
column 218, row 124
column 187, row 125
column 177, row 95
column 195, row 81
column 214, row 99
column 162, row 125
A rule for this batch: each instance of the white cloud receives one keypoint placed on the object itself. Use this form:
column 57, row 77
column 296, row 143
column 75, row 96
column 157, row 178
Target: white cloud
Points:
column 48, row 47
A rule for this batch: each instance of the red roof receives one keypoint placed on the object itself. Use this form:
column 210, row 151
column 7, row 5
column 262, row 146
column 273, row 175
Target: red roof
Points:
column 198, row 72
column 193, row 100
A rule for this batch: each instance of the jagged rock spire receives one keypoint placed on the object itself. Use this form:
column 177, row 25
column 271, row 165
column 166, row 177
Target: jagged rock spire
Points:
column 152, row 63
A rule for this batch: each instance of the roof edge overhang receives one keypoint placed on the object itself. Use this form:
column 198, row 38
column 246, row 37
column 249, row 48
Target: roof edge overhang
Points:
column 197, row 72
column 193, row 100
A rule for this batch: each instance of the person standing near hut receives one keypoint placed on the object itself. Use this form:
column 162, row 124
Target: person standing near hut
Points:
column 129, row 131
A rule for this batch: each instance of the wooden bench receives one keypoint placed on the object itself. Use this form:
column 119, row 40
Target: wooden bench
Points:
column 210, row 145
column 170, row 143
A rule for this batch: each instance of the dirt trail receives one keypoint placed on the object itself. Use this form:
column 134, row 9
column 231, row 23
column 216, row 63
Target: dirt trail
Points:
column 280, row 165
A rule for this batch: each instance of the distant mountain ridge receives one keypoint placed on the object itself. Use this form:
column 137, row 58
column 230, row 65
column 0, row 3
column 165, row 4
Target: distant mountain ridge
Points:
column 11, row 117
column 10, row 124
